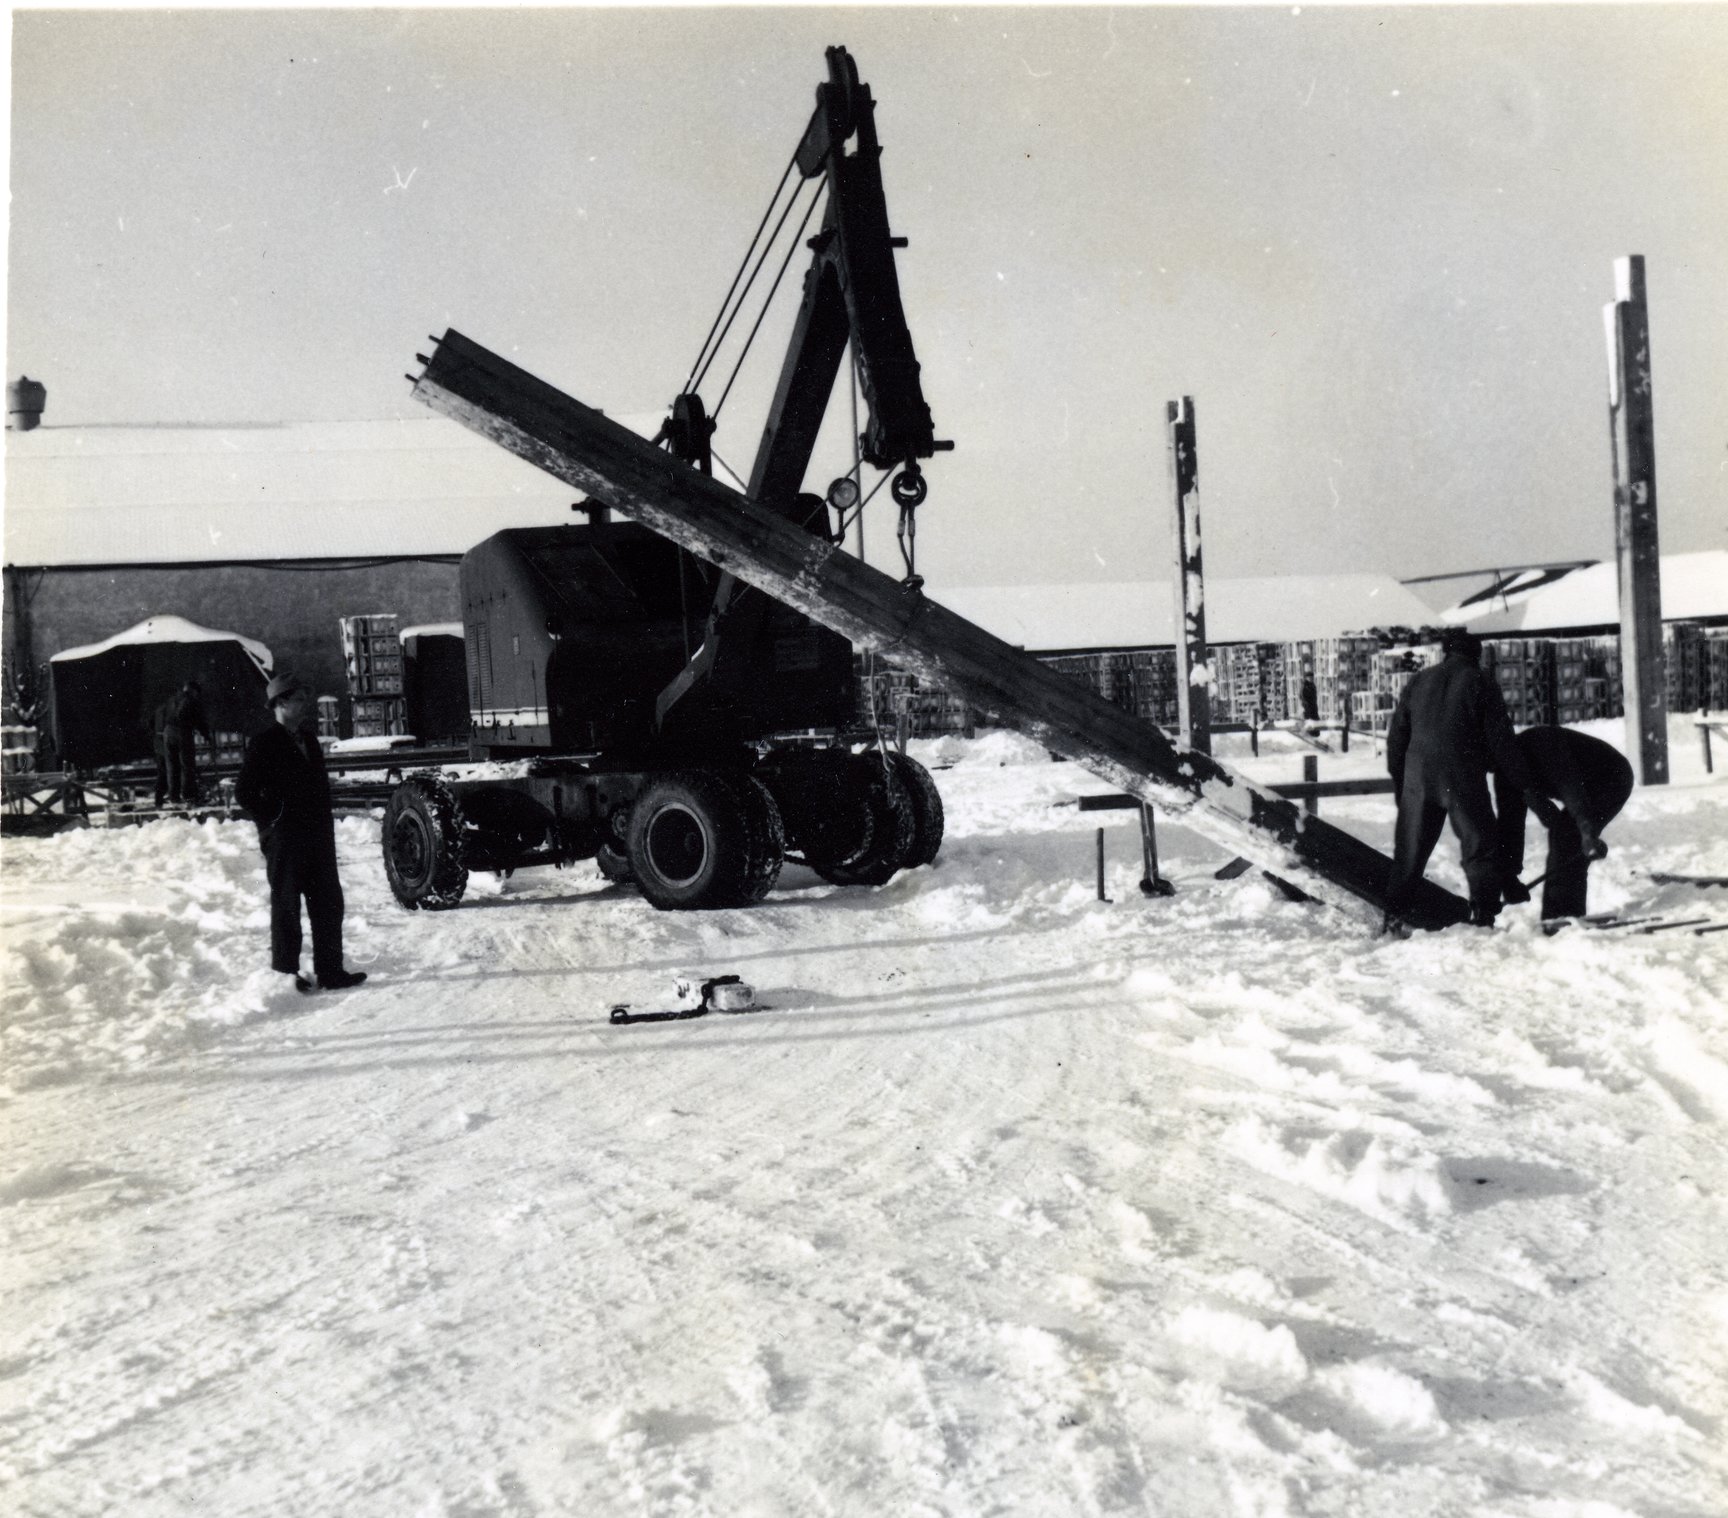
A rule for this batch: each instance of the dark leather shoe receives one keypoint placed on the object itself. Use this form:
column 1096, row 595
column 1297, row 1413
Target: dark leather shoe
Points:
column 303, row 985
column 1392, row 926
column 342, row 980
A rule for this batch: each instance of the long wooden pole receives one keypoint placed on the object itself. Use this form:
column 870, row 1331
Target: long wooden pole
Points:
column 1632, row 431
column 1193, row 667
column 580, row 446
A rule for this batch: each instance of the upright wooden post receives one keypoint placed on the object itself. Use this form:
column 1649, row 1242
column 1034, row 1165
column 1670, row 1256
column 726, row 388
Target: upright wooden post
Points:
column 1631, row 423
column 1193, row 669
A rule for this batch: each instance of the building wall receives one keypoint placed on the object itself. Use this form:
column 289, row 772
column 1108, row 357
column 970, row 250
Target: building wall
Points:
column 293, row 612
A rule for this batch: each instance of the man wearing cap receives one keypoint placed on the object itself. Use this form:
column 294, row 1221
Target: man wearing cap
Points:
column 1450, row 729
column 283, row 788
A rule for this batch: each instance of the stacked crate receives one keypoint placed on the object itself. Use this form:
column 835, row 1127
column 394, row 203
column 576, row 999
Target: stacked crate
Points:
column 1586, row 682
column 1604, row 673
column 225, row 749
column 930, row 711
column 1390, row 670
column 1235, row 681
column 1142, row 681
column 1686, row 651
column 1275, row 684
column 1298, row 662
column 1524, row 668
column 329, row 717
column 1715, row 697
column 372, row 651
column 1342, row 666
column 1155, row 687
column 1371, row 710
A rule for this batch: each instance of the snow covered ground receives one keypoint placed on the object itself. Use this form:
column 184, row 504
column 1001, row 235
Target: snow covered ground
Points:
column 1014, row 1202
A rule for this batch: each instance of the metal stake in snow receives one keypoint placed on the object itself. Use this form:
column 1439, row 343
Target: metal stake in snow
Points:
column 578, row 445
column 1193, row 682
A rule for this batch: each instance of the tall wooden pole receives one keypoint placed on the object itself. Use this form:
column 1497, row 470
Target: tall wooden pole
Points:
column 1193, row 670
column 1632, row 432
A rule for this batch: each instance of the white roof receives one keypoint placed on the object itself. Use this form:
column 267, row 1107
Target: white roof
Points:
column 1131, row 614
column 432, row 630
column 1694, row 585
column 301, row 490
column 169, row 629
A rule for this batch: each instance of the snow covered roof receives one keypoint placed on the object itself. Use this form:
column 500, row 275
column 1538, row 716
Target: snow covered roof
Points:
column 303, row 490
column 169, row 629
column 1694, row 585
column 432, row 630
column 1129, row 614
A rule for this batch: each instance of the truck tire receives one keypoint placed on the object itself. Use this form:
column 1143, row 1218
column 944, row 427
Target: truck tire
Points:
column 893, row 824
column 765, row 838
column 824, row 806
column 422, row 840
column 690, row 842
column 928, row 820
column 613, row 863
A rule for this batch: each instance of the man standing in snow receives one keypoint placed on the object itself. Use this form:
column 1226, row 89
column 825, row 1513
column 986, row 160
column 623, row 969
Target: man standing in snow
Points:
column 283, row 788
column 179, row 718
column 1591, row 780
column 1449, row 730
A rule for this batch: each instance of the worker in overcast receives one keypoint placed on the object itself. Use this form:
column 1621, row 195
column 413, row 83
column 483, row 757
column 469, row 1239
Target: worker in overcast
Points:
column 1591, row 780
column 1450, row 729
column 283, row 788
column 177, row 720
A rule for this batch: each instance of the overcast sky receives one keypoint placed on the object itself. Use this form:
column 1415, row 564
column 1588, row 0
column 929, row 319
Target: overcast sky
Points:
column 1373, row 244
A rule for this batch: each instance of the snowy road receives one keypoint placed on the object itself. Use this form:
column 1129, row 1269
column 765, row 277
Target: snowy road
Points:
column 1014, row 1202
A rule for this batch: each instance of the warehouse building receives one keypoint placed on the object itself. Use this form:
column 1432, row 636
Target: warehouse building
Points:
column 272, row 533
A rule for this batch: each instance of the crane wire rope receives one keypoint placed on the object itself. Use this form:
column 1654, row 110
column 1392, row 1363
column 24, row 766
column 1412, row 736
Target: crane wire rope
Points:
column 815, row 200
column 743, row 263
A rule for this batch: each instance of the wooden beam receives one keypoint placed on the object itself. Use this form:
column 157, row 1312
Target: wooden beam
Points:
column 1632, row 429
column 1193, row 702
column 580, row 446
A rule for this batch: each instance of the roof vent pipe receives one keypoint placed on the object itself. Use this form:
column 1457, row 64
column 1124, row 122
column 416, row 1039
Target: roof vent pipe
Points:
column 25, row 401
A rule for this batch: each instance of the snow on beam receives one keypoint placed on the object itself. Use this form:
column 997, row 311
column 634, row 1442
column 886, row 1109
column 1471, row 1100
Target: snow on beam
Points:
column 586, row 450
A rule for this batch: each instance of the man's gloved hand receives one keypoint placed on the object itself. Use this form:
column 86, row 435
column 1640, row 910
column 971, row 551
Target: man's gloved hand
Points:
column 1545, row 810
column 1514, row 891
column 1592, row 846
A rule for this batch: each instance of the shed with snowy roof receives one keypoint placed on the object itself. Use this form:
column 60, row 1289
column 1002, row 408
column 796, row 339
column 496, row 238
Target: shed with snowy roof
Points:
column 102, row 696
column 1586, row 601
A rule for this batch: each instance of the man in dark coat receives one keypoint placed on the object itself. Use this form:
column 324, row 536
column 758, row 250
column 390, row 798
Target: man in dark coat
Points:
column 283, row 788
column 1449, row 730
column 1591, row 780
column 177, row 720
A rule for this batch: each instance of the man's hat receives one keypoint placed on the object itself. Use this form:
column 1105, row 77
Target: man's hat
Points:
column 1460, row 640
column 282, row 687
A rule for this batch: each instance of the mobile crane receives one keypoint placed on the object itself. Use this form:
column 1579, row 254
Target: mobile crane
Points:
column 656, row 741
column 689, row 791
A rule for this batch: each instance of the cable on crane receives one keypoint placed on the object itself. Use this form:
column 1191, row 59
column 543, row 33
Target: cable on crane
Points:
column 815, row 200
column 773, row 200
